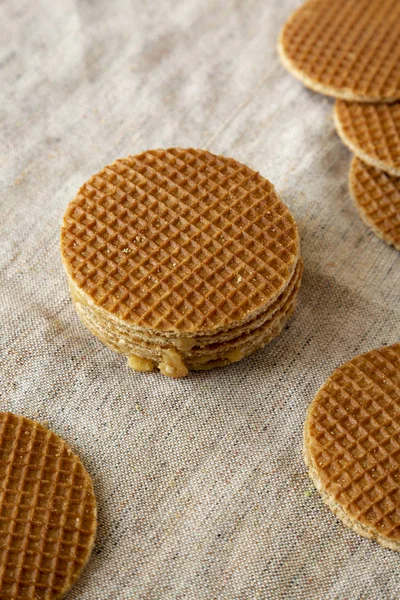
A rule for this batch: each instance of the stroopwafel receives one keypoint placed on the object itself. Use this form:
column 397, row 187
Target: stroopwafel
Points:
column 47, row 512
column 377, row 197
column 371, row 132
column 176, row 246
column 352, row 444
column 348, row 49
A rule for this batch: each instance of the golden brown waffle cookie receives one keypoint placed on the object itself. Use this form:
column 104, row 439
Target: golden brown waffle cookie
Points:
column 377, row 197
column 352, row 444
column 179, row 240
column 125, row 334
column 175, row 245
column 232, row 349
column 224, row 354
column 372, row 132
column 47, row 512
column 349, row 49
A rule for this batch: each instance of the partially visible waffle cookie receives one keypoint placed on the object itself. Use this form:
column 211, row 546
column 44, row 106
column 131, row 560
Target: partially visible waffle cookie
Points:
column 348, row 49
column 377, row 198
column 371, row 132
column 352, row 444
column 47, row 512
column 177, row 248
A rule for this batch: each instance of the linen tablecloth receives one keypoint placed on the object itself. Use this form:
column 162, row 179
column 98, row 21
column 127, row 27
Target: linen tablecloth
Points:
column 200, row 482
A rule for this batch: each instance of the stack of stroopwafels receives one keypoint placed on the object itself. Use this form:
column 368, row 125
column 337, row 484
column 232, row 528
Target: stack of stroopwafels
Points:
column 181, row 259
column 350, row 49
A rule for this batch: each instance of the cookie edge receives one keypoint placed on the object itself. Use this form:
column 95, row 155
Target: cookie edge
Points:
column 359, row 152
column 360, row 211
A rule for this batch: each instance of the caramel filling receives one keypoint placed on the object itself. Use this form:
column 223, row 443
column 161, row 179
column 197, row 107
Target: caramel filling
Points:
column 234, row 356
column 138, row 363
column 185, row 344
column 172, row 364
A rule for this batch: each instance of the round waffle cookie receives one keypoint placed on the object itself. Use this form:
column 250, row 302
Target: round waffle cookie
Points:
column 47, row 512
column 349, row 49
column 371, row 132
column 176, row 251
column 204, row 352
column 352, row 444
column 377, row 198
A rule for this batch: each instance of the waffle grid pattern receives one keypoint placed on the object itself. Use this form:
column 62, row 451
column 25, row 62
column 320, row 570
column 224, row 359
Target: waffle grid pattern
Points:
column 179, row 239
column 354, row 439
column 246, row 344
column 377, row 196
column 203, row 341
column 348, row 47
column 373, row 131
column 47, row 512
column 130, row 345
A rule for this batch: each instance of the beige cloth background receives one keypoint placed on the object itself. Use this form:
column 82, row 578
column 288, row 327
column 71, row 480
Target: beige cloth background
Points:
column 201, row 486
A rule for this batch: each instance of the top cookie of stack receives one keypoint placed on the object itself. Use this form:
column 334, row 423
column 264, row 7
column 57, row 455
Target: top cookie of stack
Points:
column 181, row 259
column 350, row 49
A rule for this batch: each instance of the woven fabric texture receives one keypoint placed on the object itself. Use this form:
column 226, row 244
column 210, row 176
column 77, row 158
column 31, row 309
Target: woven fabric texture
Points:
column 201, row 487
